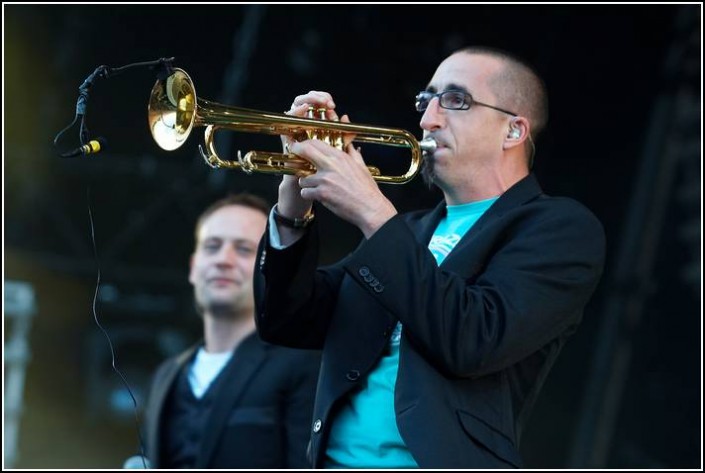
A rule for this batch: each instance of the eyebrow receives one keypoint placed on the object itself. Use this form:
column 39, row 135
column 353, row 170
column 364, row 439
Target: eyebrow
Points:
column 451, row 86
column 221, row 239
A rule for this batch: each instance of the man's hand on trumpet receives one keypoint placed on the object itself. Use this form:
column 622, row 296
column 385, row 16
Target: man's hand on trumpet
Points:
column 342, row 181
column 290, row 204
column 344, row 185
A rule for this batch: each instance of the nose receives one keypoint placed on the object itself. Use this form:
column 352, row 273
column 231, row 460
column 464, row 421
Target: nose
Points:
column 433, row 117
column 227, row 256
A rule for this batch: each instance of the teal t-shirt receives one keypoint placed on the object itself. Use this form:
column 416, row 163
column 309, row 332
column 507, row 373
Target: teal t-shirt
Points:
column 365, row 434
column 458, row 220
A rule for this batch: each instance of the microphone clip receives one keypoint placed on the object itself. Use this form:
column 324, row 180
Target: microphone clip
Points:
column 165, row 68
column 94, row 146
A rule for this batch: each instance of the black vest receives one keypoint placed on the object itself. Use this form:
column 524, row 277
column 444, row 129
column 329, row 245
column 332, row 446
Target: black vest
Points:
column 184, row 421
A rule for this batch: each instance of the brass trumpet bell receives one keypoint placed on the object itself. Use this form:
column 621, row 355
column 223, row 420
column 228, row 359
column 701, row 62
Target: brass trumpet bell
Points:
column 174, row 110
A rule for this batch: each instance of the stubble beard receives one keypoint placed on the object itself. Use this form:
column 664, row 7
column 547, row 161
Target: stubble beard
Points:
column 428, row 172
column 222, row 310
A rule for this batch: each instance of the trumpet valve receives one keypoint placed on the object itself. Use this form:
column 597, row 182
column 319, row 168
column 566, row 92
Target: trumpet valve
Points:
column 338, row 141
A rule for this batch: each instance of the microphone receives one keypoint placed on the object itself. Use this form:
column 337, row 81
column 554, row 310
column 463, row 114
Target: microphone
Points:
column 92, row 147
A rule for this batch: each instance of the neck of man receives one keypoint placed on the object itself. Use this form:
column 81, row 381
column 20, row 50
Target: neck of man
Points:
column 223, row 334
column 486, row 182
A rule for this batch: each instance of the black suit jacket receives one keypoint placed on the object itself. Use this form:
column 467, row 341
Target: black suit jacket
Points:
column 262, row 412
column 480, row 332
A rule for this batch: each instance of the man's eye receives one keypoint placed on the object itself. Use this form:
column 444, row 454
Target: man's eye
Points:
column 455, row 99
column 246, row 250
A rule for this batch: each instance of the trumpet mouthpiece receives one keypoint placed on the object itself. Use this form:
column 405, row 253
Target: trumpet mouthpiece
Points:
column 428, row 145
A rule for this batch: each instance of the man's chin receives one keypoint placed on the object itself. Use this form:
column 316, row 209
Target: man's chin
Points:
column 222, row 309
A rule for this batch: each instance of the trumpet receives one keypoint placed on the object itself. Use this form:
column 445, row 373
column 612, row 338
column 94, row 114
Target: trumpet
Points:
column 174, row 110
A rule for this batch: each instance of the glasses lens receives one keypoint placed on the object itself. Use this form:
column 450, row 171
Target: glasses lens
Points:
column 454, row 100
column 422, row 100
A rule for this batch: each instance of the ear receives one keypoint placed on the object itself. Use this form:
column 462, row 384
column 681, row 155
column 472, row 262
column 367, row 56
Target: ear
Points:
column 517, row 132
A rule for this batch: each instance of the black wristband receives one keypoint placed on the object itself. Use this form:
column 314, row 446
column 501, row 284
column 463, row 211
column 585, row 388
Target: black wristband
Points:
column 292, row 222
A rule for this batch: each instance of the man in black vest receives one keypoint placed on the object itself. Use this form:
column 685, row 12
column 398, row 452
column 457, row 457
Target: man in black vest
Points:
column 231, row 401
column 439, row 330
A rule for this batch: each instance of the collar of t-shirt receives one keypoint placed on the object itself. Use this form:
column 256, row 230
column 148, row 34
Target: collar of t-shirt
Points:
column 205, row 368
column 456, row 223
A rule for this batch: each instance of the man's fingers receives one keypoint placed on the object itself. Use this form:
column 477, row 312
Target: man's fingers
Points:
column 315, row 98
column 314, row 151
column 347, row 137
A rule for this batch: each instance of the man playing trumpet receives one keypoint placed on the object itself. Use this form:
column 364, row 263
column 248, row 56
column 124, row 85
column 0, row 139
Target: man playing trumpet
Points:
column 438, row 331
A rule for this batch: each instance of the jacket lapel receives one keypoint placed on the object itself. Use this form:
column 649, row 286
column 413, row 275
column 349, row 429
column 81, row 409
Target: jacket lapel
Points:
column 523, row 191
column 427, row 224
column 161, row 390
column 236, row 377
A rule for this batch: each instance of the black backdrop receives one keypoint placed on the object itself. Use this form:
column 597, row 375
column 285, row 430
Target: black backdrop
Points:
column 604, row 67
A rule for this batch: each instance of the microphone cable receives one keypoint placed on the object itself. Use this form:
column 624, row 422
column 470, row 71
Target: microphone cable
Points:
column 107, row 337
column 92, row 146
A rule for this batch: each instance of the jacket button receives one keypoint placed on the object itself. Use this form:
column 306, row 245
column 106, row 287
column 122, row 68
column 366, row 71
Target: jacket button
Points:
column 364, row 271
column 317, row 426
column 379, row 288
column 353, row 375
column 369, row 278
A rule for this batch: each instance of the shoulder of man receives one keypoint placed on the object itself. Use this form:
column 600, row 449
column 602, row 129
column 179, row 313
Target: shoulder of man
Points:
column 569, row 209
column 177, row 359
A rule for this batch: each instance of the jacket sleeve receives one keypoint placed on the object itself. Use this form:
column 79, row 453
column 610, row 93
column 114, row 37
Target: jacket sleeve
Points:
column 294, row 300
column 528, row 289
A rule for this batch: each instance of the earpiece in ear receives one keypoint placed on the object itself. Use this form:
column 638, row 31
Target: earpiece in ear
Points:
column 515, row 133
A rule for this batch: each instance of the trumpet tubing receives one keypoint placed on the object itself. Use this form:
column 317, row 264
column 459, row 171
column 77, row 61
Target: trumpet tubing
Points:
column 174, row 110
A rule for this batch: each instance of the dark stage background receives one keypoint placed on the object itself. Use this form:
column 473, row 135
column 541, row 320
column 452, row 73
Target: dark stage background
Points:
column 624, row 138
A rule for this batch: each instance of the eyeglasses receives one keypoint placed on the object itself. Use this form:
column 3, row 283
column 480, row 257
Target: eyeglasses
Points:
column 452, row 100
